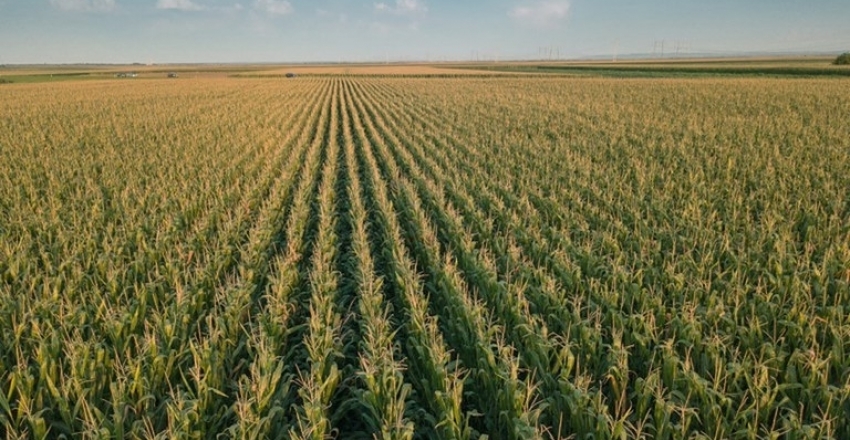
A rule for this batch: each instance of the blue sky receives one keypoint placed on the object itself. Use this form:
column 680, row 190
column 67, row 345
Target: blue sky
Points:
column 172, row 31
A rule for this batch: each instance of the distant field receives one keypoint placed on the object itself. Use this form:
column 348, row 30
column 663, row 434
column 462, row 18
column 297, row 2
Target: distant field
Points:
column 675, row 67
column 375, row 69
column 39, row 74
column 400, row 257
column 30, row 74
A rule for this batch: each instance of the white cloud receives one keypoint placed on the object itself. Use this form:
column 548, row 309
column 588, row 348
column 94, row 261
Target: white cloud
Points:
column 544, row 13
column 275, row 7
column 181, row 5
column 84, row 5
column 402, row 7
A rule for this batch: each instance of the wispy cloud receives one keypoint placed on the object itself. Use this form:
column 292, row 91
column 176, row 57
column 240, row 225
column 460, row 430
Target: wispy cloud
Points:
column 180, row 5
column 543, row 13
column 402, row 7
column 84, row 5
column 274, row 7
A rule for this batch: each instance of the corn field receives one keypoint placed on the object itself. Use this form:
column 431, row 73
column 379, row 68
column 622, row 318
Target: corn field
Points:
column 408, row 258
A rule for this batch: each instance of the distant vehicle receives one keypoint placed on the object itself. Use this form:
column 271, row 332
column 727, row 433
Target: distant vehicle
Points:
column 291, row 75
column 126, row 75
column 172, row 74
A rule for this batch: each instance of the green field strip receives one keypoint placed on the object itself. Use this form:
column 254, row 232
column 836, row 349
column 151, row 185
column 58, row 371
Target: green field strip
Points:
column 217, row 355
column 513, row 419
column 288, row 280
column 383, row 392
column 345, row 416
column 437, row 381
column 414, row 329
column 223, row 326
column 285, row 296
column 259, row 245
column 505, row 297
column 319, row 380
column 246, row 296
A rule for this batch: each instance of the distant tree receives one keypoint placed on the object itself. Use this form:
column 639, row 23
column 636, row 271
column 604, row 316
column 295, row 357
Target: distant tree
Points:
column 842, row 60
column 5, row 81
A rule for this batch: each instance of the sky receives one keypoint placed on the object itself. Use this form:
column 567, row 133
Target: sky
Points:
column 244, row 31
